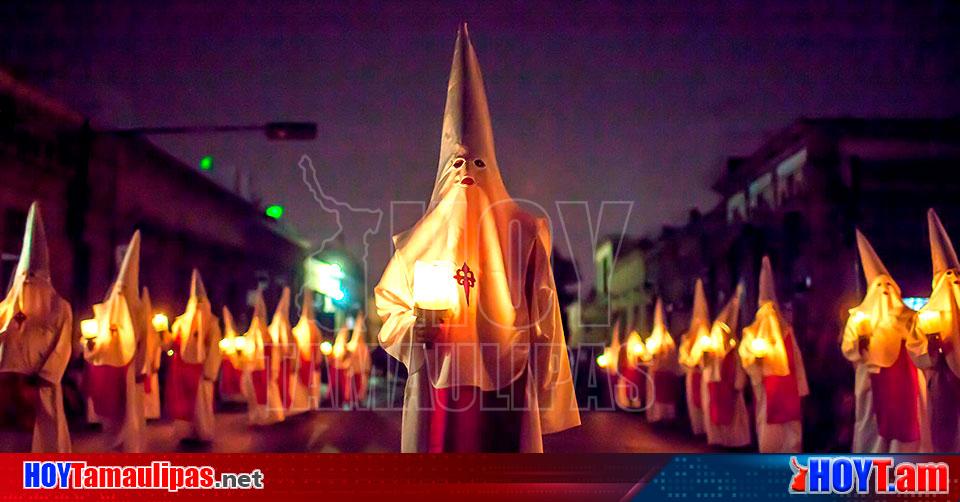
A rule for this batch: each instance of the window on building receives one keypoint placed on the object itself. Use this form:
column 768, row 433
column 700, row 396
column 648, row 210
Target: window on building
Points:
column 761, row 192
column 736, row 208
column 790, row 175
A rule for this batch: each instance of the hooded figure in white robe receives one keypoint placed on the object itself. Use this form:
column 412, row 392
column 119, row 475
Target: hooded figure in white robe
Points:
column 360, row 362
column 609, row 362
column 36, row 325
column 262, row 369
column 934, row 345
column 663, row 370
column 151, row 362
column 281, row 334
column 494, row 373
column 195, row 363
column 632, row 373
column 232, row 347
column 308, row 336
column 725, row 417
column 302, row 379
column 690, row 355
column 115, row 358
column 770, row 355
column 890, row 391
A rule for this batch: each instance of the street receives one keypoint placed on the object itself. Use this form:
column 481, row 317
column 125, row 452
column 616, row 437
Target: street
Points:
column 379, row 431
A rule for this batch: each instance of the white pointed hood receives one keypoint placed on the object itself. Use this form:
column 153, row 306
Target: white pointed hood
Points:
column 660, row 346
column 197, row 325
column 690, row 351
column 724, row 329
column 768, row 325
column 121, row 322
column 882, row 309
column 280, row 329
column 306, row 333
column 942, row 253
column 257, row 334
column 32, row 315
column 945, row 297
column 473, row 225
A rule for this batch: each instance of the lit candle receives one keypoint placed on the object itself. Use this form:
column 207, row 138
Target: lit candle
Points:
column 653, row 344
column 326, row 348
column 89, row 328
column 160, row 322
column 636, row 348
column 603, row 360
column 240, row 343
column 227, row 345
column 861, row 323
column 930, row 322
column 760, row 347
column 434, row 285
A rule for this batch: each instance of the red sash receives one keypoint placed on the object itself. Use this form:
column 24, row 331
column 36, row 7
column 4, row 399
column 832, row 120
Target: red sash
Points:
column 230, row 379
column 695, row 388
column 632, row 377
column 106, row 387
column 18, row 400
column 306, row 370
column 183, row 380
column 261, row 378
column 465, row 419
column 783, row 397
column 896, row 399
column 723, row 394
column 664, row 387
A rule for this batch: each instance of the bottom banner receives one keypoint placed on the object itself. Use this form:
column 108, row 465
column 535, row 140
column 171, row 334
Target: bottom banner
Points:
column 290, row 477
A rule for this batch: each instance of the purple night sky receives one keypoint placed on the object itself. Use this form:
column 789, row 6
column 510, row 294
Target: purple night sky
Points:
column 607, row 101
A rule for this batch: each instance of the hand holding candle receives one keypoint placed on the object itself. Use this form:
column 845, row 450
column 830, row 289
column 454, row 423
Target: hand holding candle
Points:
column 434, row 295
column 89, row 329
column 760, row 347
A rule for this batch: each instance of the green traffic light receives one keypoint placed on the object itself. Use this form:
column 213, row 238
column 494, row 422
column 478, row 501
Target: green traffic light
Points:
column 274, row 211
column 206, row 163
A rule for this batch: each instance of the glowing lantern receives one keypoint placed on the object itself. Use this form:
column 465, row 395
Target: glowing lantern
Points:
column 434, row 285
column 930, row 322
column 160, row 322
column 603, row 360
column 326, row 348
column 760, row 347
column 89, row 328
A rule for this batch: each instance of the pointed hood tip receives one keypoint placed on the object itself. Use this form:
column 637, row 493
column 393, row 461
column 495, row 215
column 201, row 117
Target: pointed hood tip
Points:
column 942, row 254
column 34, row 255
column 872, row 266
column 129, row 276
column 767, row 288
column 197, row 288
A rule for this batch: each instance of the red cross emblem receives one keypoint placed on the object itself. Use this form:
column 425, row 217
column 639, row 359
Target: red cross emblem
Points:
column 465, row 278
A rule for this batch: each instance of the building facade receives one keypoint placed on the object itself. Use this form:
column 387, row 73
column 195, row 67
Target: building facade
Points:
column 799, row 198
column 95, row 189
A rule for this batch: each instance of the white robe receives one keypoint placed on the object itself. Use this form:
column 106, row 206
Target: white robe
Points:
column 695, row 413
column 788, row 436
column 737, row 433
column 17, row 355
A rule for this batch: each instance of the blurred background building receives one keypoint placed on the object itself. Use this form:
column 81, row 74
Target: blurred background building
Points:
column 96, row 188
column 799, row 198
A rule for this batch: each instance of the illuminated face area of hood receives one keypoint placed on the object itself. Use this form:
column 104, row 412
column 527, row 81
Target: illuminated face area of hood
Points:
column 886, row 293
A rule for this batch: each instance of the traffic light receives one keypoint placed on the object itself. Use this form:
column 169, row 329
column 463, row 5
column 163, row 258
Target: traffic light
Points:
column 274, row 211
column 287, row 131
column 206, row 163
